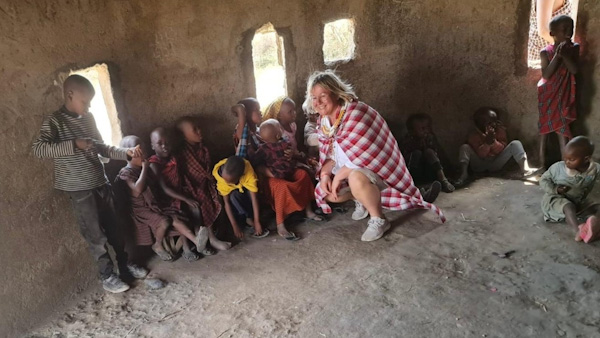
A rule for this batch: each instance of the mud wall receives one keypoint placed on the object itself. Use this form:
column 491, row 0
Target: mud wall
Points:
column 170, row 58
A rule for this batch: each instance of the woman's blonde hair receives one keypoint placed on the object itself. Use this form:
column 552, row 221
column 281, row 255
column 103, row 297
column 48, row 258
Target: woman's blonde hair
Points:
column 330, row 81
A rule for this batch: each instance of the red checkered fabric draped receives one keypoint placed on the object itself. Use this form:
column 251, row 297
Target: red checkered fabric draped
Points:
column 199, row 182
column 366, row 139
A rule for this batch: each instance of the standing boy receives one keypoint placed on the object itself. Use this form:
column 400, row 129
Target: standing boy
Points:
column 70, row 137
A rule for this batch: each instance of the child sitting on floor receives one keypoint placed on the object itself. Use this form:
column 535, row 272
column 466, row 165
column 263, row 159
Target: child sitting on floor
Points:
column 420, row 149
column 567, row 184
column 288, row 189
column 245, row 136
column 197, row 179
column 556, row 89
column 487, row 148
column 237, row 183
column 148, row 218
column 311, row 137
column 165, row 170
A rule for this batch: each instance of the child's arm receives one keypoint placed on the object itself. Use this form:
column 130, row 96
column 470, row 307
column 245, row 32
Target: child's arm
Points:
column 547, row 182
column 550, row 67
column 138, row 187
column 570, row 57
column 256, row 210
column 236, row 229
column 46, row 146
column 240, row 111
column 171, row 192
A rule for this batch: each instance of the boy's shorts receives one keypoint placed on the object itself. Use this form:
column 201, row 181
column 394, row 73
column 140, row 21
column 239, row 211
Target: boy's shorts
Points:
column 553, row 205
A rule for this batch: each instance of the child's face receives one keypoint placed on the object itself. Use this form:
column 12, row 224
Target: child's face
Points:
column 191, row 132
column 269, row 133
column 287, row 113
column 254, row 112
column 574, row 159
column 79, row 100
column 160, row 145
column 485, row 122
column 421, row 128
column 563, row 32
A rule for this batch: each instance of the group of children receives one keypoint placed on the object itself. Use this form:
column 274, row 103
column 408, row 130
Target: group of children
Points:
column 566, row 184
column 173, row 195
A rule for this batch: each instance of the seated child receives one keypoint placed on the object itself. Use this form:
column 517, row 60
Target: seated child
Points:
column 420, row 149
column 283, row 109
column 165, row 171
column 249, row 117
column 566, row 186
column 149, row 219
column 237, row 183
column 487, row 148
column 197, row 179
column 288, row 189
column 557, row 102
column 311, row 137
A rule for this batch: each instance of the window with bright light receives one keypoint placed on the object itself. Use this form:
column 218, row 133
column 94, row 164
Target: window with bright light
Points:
column 268, row 57
column 338, row 41
column 103, row 106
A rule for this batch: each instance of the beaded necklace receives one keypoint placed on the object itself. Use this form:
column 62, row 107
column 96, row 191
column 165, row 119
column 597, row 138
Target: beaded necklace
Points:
column 330, row 132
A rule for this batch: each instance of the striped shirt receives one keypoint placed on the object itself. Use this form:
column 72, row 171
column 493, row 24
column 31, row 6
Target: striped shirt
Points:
column 74, row 169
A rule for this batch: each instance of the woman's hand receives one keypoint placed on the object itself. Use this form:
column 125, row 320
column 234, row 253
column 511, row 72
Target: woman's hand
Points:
column 325, row 183
column 335, row 186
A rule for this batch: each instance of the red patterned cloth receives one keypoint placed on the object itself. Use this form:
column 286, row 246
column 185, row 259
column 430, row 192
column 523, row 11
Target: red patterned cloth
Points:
column 170, row 175
column 272, row 155
column 556, row 100
column 199, row 182
column 366, row 139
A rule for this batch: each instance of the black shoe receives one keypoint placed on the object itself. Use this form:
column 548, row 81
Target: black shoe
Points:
column 430, row 194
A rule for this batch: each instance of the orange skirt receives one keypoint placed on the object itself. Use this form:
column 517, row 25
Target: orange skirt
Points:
column 287, row 197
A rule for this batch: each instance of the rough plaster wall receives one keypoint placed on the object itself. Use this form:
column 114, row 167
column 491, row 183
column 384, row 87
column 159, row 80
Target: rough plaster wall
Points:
column 179, row 57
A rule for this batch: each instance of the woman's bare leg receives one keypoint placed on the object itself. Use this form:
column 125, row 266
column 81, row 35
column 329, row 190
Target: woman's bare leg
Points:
column 366, row 193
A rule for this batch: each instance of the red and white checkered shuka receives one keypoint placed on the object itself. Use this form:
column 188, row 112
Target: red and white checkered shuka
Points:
column 366, row 139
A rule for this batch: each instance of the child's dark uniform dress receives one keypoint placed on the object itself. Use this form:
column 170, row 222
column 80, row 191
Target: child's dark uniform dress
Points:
column 422, row 166
column 81, row 175
column 146, row 214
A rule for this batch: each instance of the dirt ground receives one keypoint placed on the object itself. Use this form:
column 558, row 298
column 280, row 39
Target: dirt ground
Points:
column 423, row 279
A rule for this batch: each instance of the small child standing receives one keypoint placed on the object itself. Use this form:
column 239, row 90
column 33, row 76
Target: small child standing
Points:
column 197, row 179
column 69, row 136
column 249, row 117
column 166, row 172
column 487, row 148
column 283, row 109
column 237, row 183
column 288, row 189
column 420, row 149
column 566, row 186
column 149, row 219
column 556, row 89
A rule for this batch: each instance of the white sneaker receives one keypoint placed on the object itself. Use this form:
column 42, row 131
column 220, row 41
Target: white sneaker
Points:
column 375, row 229
column 359, row 211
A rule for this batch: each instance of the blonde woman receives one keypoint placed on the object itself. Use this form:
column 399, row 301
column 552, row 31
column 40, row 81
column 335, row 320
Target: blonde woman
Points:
column 359, row 157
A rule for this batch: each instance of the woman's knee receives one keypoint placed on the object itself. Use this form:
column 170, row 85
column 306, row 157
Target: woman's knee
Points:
column 358, row 179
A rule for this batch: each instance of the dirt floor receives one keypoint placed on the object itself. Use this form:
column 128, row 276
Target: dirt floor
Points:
column 423, row 279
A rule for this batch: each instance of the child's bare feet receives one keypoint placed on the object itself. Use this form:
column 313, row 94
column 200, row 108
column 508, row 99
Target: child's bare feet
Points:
column 220, row 245
column 288, row 235
column 188, row 254
column 160, row 251
column 201, row 239
column 311, row 216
